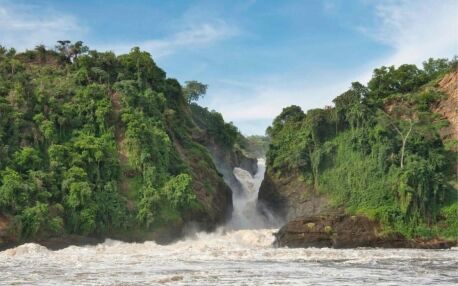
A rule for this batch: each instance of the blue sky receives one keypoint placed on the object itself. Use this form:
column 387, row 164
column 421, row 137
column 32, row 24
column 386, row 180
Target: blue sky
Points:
column 256, row 56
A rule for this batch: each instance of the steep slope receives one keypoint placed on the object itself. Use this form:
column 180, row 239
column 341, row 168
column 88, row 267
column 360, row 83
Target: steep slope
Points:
column 99, row 145
column 223, row 141
column 380, row 153
column 289, row 196
column 448, row 107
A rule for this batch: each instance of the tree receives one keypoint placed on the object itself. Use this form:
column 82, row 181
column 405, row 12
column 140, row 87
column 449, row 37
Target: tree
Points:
column 349, row 108
column 179, row 192
column 77, row 49
column 194, row 90
column 41, row 51
column 46, row 128
column 14, row 193
column 139, row 66
column 27, row 158
column 402, row 121
column 33, row 219
column 148, row 206
column 70, row 51
column 63, row 47
column 433, row 67
column 391, row 80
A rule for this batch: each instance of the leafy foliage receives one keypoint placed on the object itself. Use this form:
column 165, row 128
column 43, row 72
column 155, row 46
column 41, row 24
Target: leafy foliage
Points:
column 78, row 126
column 226, row 134
column 194, row 90
column 377, row 152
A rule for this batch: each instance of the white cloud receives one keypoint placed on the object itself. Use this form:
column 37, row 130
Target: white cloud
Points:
column 417, row 30
column 414, row 30
column 25, row 26
column 264, row 100
column 191, row 36
column 252, row 106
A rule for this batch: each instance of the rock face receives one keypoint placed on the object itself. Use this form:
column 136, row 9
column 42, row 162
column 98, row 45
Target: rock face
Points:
column 226, row 160
column 314, row 223
column 449, row 107
column 288, row 197
column 4, row 235
column 344, row 231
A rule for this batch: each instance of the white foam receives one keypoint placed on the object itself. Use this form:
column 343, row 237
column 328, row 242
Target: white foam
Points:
column 228, row 256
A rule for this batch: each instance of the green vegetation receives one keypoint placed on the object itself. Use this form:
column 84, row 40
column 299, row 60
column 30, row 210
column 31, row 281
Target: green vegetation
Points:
column 194, row 90
column 93, row 143
column 378, row 151
column 256, row 145
column 224, row 134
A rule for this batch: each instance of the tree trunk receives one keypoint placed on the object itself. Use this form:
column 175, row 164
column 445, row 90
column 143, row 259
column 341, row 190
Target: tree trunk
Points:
column 404, row 141
column 402, row 153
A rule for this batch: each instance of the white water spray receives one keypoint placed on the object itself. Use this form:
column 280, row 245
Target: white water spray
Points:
column 246, row 214
column 232, row 255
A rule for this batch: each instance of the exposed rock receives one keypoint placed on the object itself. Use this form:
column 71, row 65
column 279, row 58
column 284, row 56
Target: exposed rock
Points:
column 60, row 242
column 343, row 231
column 245, row 162
column 289, row 197
column 226, row 160
column 449, row 107
column 217, row 203
column 4, row 233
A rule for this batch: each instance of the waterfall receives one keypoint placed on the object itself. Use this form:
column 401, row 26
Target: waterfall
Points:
column 240, row 253
column 246, row 214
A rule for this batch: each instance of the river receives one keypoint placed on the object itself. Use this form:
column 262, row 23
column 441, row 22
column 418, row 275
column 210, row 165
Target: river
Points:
column 240, row 253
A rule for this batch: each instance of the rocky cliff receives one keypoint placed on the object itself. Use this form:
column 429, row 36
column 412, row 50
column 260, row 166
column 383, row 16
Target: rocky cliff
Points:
column 337, row 230
column 289, row 197
column 328, row 171
column 104, row 145
column 448, row 107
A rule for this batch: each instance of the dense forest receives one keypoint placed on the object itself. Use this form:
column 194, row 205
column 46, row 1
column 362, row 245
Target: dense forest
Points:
column 93, row 143
column 378, row 151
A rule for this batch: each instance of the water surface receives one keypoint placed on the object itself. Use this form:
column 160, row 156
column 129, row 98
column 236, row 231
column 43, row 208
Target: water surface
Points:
column 240, row 253
column 239, row 257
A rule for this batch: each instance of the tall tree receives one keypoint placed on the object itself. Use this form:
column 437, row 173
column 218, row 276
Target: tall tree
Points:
column 194, row 90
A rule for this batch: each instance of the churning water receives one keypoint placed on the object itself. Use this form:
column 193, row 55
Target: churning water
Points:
column 246, row 214
column 240, row 254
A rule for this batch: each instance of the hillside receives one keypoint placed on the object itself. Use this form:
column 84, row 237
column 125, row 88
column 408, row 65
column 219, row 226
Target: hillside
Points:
column 100, row 145
column 385, row 151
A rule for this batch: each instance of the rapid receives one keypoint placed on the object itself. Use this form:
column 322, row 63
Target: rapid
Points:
column 240, row 253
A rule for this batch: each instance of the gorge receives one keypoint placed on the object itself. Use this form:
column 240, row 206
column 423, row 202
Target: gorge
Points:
column 111, row 173
column 241, row 253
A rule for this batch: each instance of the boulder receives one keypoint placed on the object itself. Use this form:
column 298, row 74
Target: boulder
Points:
column 344, row 231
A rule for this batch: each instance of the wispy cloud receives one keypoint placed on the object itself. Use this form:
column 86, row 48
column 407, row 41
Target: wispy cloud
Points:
column 417, row 30
column 413, row 30
column 193, row 35
column 24, row 26
column 252, row 105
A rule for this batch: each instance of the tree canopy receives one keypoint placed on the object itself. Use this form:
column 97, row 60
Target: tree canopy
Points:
column 89, row 142
column 378, row 151
column 194, row 90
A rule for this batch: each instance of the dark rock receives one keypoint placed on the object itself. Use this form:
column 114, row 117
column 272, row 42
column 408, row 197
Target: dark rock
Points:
column 344, row 231
column 288, row 197
column 57, row 242
column 226, row 159
column 60, row 242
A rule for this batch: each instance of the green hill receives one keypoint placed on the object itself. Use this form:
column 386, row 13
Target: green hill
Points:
column 380, row 152
column 96, row 144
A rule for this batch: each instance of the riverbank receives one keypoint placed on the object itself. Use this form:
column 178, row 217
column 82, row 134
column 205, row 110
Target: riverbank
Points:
column 345, row 231
column 225, row 258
